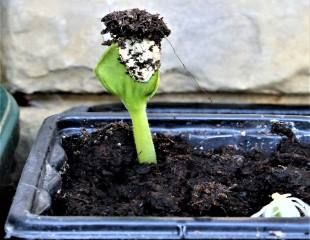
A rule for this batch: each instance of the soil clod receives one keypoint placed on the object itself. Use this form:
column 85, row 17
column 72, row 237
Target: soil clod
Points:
column 135, row 24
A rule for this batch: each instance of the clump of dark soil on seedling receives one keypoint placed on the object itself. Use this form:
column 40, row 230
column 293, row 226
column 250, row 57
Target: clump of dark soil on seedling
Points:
column 104, row 178
column 138, row 35
column 135, row 24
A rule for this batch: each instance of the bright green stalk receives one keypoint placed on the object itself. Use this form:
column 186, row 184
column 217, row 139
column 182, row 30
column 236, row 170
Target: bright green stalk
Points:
column 143, row 137
column 134, row 95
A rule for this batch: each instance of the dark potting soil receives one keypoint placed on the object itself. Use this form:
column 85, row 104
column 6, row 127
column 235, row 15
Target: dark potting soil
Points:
column 102, row 176
column 134, row 24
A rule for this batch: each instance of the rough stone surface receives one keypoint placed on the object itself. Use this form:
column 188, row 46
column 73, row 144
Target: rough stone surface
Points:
column 260, row 46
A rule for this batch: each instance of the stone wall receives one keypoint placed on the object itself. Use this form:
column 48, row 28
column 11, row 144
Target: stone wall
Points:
column 240, row 45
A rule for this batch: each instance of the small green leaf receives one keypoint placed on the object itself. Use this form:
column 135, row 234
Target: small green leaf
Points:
column 114, row 77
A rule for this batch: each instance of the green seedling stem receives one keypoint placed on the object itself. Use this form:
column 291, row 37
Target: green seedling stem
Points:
column 134, row 95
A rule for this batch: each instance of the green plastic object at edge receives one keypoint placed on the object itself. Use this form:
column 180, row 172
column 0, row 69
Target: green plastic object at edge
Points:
column 9, row 132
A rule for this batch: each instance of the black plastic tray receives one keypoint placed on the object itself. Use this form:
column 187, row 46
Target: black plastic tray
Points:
column 211, row 108
column 41, row 179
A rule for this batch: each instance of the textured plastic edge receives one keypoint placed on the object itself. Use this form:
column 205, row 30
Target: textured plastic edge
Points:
column 210, row 108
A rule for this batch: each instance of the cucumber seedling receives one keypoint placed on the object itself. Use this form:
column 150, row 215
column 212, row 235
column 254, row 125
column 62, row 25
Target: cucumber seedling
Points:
column 129, row 68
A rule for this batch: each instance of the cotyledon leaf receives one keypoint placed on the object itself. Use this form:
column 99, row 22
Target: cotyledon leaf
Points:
column 114, row 77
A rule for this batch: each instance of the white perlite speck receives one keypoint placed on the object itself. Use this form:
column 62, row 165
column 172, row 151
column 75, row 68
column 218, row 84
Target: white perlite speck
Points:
column 140, row 58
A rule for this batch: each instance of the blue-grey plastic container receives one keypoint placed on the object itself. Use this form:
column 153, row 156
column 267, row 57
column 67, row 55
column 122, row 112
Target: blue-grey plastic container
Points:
column 41, row 179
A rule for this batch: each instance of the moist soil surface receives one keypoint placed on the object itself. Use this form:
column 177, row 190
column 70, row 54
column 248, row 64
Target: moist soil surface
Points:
column 102, row 176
